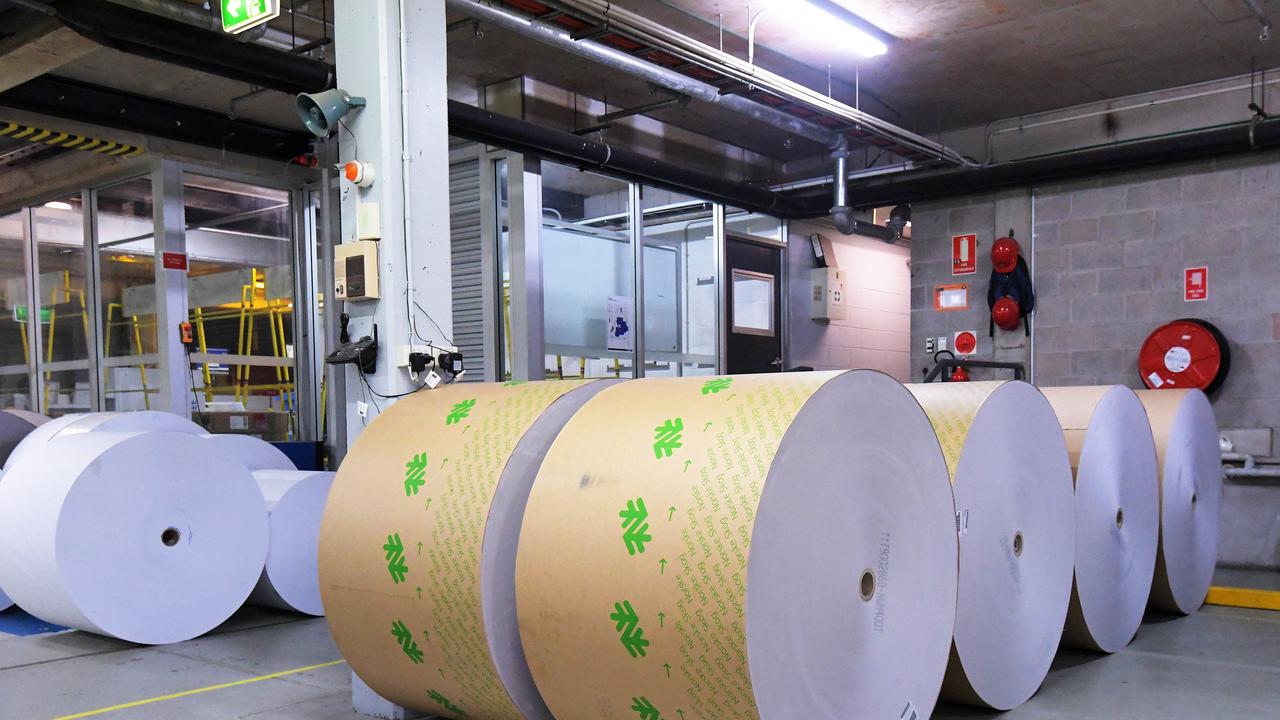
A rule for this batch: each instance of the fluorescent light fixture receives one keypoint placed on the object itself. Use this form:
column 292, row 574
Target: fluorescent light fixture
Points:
column 835, row 25
column 58, row 205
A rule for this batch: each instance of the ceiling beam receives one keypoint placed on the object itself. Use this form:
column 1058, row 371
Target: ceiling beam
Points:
column 38, row 48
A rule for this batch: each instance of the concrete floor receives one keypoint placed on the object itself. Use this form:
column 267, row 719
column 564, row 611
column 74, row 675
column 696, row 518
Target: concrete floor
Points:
column 1221, row 663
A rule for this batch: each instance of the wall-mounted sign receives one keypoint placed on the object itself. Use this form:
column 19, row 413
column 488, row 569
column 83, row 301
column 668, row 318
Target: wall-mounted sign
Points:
column 948, row 298
column 1195, row 284
column 619, row 323
column 965, row 342
column 240, row 15
column 175, row 261
column 964, row 254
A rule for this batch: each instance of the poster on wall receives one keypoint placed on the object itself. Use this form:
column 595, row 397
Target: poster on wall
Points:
column 1195, row 284
column 964, row 254
column 619, row 325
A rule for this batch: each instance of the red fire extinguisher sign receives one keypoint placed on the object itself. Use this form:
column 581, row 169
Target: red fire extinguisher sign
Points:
column 964, row 254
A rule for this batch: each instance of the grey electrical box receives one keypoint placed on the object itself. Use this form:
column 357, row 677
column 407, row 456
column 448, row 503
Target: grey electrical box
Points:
column 827, row 299
column 355, row 270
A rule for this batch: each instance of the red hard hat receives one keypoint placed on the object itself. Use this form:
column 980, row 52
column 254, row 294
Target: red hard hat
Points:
column 1006, row 313
column 1004, row 255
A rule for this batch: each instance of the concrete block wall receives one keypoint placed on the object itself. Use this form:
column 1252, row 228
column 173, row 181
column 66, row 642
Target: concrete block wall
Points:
column 876, row 332
column 1109, row 259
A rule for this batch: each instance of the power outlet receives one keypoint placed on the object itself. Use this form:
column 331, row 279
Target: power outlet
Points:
column 930, row 345
column 403, row 351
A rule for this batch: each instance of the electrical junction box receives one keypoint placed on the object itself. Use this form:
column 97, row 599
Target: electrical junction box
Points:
column 826, row 299
column 355, row 270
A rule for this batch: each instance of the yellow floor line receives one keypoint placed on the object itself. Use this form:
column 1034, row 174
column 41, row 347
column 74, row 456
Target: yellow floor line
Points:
column 197, row 691
column 1244, row 598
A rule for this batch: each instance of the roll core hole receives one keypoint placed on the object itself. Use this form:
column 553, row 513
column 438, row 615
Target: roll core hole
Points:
column 1017, row 544
column 1193, row 499
column 867, row 586
column 170, row 536
column 1119, row 518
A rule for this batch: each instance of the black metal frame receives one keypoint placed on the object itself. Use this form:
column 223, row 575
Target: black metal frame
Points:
column 1019, row 372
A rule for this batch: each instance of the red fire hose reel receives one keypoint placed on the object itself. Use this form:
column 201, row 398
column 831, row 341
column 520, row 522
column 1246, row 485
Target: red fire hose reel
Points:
column 1185, row 353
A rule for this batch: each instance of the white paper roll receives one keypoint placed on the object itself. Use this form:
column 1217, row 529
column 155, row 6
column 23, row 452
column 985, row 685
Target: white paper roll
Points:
column 1015, row 518
column 761, row 546
column 146, row 537
column 1117, row 512
column 138, row 421
column 256, row 453
column 295, row 500
column 1186, row 436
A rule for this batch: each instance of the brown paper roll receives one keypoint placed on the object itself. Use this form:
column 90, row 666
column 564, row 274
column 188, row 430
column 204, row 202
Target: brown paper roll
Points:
column 417, row 545
column 1113, row 460
column 1013, row 496
column 1186, row 437
column 760, row 546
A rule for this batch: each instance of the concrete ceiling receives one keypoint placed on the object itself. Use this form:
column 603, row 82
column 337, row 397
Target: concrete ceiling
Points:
column 966, row 62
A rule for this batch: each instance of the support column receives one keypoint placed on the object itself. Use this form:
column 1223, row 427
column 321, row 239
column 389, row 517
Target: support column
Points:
column 393, row 54
column 170, row 223
column 524, row 188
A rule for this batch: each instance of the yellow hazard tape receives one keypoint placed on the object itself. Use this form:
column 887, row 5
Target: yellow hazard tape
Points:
column 197, row 691
column 61, row 139
column 1244, row 598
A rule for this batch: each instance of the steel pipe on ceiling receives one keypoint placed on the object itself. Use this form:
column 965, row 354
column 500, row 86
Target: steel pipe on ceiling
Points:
column 616, row 59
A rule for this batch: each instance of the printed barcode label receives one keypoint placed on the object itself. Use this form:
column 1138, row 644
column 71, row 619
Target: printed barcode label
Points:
column 962, row 522
column 909, row 712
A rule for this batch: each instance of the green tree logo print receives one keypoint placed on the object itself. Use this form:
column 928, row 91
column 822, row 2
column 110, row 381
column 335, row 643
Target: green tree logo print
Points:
column 395, row 558
column 627, row 624
column 444, row 702
column 666, row 438
column 714, row 386
column 644, row 708
column 415, row 474
column 403, row 636
column 635, row 526
column 459, row 412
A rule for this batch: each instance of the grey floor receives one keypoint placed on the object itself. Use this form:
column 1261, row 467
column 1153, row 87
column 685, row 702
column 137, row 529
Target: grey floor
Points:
column 1221, row 663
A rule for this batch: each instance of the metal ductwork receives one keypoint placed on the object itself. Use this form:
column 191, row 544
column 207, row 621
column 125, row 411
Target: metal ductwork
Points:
column 472, row 123
column 562, row 39
column 159, row 38
column 1234, row 139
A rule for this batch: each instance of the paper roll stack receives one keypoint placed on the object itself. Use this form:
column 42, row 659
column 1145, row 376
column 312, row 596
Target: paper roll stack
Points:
column 143, row 536
column 139, row 421
column 1186, row 438
column 418, row 545
column 1014, row 516
column 762, row 546
column 1117, row 506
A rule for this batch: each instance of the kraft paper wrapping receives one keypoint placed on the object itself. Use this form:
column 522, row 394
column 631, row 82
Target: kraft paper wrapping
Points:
column 721, row 548
column 1113, row 459
column 1014, row 517
column 1190, row 463
column 418, row 544
column 133, row 535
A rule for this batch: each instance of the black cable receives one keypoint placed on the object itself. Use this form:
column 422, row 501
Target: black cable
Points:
column 433, row 322
column 191, row 382
column 387, row 397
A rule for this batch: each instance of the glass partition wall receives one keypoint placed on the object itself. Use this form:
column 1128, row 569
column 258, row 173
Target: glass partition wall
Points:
column 78, row 303
column 593, row 325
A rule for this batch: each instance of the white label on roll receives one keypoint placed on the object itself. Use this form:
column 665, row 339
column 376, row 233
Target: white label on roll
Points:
column 1155, row 379
column 909, row 712
column 962, row 522
column 1177, row 359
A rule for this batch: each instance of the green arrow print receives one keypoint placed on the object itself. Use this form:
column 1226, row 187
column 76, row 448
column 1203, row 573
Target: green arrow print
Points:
column 403, row 636
column 644, row 708
column 627, row 624
column 444, row 702
column 415, row 474
column 635, row 526
column 395, row 558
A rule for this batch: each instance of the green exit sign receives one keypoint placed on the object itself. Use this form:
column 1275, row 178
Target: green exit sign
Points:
column 240, row 15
